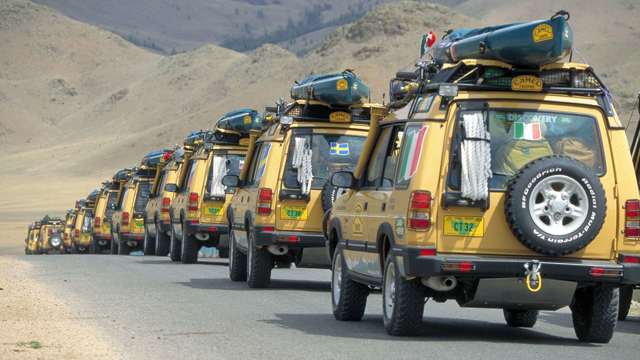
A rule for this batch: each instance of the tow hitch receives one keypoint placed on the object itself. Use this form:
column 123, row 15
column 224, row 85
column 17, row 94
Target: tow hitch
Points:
column 533, row 277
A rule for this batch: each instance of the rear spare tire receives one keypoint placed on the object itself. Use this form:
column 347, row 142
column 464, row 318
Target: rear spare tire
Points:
column 555, row 205
column 329, row 195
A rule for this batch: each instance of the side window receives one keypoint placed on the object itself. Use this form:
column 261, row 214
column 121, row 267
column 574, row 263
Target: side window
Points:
column 191, row 169
column 124, row 196
column 410, row 155
column 252, row 166
column 376, row 161
column 391, row 159
column 160, row 184
column 259, row 164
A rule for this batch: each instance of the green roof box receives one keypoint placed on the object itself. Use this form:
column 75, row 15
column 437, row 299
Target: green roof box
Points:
column 339, row 89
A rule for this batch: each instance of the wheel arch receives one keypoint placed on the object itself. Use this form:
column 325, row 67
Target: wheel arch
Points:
column 384, row 242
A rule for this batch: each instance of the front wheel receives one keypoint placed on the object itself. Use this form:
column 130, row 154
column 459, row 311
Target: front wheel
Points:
column 259, row 264
column 595, row 313
column 520, row 318
column 175, row 250
column 237, row 261
column 348, row 298
column 402, row 301
column 626, row 295
column 149, row 244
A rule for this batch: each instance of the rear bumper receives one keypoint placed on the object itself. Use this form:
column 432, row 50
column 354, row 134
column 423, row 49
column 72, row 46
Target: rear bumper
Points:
column 293, row 239
column 212, row 229
column 503, row 267
column 128, row 236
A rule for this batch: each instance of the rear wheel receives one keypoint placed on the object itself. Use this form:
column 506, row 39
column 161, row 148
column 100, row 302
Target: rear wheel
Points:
column 259, row 264
column 402, row 301
column 149, row 244
column 348, row 298
column 520, row 318
column 162, row 241
column 223, row 253
column 626, row 295
column 93, row 246
column 190, row 247
column 114, row 243
column 123, row 247
column 595, row 312
column 237, row 261
column 175, row 251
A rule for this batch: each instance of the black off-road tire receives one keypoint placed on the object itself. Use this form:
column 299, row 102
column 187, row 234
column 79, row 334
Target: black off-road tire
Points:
column 352, row 300
column 93, row 246
column 175, row 249
column 520, row 318
column 123, row 248
column 329, row 195
column 190, row 247
column 406, row 316
column 521, row 222
column 163, row 241
column 149, row 243
column 259, row 264
column 626, row 295
column 114, row 244
column 237, row 260
column 223, row 253
column 595, row 313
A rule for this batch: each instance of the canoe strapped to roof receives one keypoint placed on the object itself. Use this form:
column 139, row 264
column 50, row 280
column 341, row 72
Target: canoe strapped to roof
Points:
column 239, row 122
column 339, row 89
column 530, row 44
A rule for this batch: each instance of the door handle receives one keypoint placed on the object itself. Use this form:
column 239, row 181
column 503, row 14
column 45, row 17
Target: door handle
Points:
column 365, row 206
column 384, row 206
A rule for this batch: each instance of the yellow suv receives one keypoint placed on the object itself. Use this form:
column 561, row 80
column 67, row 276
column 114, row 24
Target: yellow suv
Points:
column 496, row 187
column 50, row 238
column 275, row 216
column 82, row 235
column 199, row 207
column 127, row 220
column 32, row 241
column 101, row 230
column 69, row 222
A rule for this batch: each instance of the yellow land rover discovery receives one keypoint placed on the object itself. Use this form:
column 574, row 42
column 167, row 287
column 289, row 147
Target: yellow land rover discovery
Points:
column 50, row 237
column 198, row 210
column 495, row 187
column 101, row 230
column 32, row 244
column 69, row 222
column 82, row 236
column 158, row 203
column 127, row 220
column 276, row 214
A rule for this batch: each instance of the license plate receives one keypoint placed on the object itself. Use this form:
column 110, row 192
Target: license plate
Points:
column 139, row 223
column 293, row 213
column 215, row 211
column 472, row 226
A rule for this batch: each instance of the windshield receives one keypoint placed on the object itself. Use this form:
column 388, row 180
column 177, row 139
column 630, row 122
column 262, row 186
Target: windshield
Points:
column 111, row 202
column 142, row 197
column 330, row 153
column 221, row 165
column 519, row 137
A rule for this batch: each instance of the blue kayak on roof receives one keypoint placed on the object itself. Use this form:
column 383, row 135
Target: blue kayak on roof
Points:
column 340, row 89
column 241, row 121
column 530, row 44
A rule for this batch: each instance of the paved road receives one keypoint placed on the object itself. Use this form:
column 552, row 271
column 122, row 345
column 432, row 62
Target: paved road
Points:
column 156, row 309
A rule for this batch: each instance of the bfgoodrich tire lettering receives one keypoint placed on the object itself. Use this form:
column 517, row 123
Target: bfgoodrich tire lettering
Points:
column 564, row 192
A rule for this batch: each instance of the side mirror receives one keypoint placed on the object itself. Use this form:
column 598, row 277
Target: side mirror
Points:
column 172, row 188
column 113, row 207
column 343, row 179
column 231, row 181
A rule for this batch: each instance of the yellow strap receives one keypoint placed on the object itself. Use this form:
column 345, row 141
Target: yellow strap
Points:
column 528, row 282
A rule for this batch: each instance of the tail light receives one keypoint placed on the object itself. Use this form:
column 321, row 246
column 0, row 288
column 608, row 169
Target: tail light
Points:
column 193, row 201
column 419, row 217
column 125, row 218
column 265, row 195
column 50, row 231
column 97, row 221
column 166, row 202
column 76, row 232
column 629, row 259
column 65, row 236
column 632, row 219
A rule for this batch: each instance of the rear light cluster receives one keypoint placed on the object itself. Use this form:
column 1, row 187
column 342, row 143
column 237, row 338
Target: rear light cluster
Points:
column 76, row 232
column 628, row 259
column 97, row 221
column 602, row 272
column 265, row 196
column 632, row 219
column 166, row 202
column 125, row 218
column 464, row 266
column 419, row 217
column 193, row 201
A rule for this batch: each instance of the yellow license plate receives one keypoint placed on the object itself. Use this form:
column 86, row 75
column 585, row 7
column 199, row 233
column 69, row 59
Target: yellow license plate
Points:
column 472, row 226
column 215, row 211
column 293, row 213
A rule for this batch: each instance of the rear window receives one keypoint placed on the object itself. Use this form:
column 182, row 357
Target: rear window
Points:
column 519, row 137
column 329, row 153
column 111, row 201
column 142, row 197
column 222, row 165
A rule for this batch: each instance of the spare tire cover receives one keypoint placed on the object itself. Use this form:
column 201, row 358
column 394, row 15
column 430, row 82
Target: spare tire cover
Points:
column 555, row 205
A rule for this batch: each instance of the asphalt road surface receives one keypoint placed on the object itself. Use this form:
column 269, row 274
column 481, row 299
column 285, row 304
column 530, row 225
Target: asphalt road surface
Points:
column 155, row 309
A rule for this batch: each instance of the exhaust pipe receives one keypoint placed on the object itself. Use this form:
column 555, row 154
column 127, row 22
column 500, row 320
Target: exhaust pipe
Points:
column 440, row 283
column 202, row 236
column 278, row 249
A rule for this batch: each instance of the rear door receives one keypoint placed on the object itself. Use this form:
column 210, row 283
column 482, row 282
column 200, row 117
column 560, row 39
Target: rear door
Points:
column 520, row 133
column 219, row 164
column 331, row 150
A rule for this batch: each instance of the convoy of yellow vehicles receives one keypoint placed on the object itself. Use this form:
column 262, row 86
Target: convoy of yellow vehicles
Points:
column 481, row 181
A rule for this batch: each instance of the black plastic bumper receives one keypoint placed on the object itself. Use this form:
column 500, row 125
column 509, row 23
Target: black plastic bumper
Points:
column 213, row 229
column 293, row 239
column 501, row 267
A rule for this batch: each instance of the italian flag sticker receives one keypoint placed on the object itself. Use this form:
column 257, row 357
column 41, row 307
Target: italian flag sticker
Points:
column 412, row 152
column 530, row 131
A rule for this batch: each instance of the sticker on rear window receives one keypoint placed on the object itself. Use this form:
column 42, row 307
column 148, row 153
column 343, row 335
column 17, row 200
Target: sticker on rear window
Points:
column 527, row 131
column 339, row 149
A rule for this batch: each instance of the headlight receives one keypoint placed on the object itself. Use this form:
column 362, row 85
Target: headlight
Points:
column 55, row 241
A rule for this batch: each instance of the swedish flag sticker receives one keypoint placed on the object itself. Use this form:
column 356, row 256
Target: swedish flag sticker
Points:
column 339, row 149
